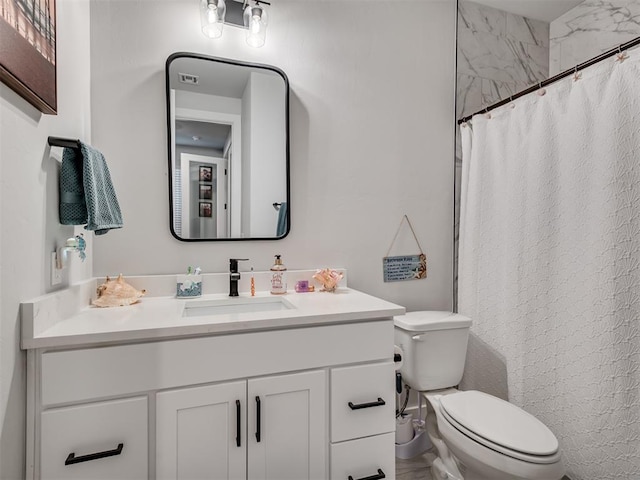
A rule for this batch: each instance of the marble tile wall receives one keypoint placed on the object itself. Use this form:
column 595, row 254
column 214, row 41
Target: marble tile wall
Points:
column 593, row 27
column 499, row 54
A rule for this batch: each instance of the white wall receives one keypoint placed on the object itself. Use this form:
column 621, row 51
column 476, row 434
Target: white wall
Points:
column 372, row 134
column 29, row 212
column 267, row 183
column 208, row 103
column 245, row 166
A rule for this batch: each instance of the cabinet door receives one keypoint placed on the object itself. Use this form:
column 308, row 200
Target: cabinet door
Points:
column 200, row 433
column 287, row 427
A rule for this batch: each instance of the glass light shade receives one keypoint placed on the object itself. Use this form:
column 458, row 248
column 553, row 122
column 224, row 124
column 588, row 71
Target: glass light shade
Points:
column 255, row 20
column 212, row 14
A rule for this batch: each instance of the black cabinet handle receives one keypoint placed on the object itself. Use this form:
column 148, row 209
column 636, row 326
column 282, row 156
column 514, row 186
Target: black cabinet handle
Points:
column 378, row 476
column 238, row 442
column 71, row 459
column 379, row 403
column 258, row 419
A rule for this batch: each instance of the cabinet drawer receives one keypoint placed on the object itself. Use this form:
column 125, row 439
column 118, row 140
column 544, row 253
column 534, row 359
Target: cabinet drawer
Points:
column 357, row 397
column 97, row 428
column 364, row 458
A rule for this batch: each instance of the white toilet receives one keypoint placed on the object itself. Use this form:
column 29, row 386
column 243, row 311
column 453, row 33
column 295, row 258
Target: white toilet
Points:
column 477, row 436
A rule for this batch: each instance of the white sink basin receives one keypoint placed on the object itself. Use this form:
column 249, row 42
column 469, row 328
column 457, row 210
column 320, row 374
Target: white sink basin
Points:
column 235, row 305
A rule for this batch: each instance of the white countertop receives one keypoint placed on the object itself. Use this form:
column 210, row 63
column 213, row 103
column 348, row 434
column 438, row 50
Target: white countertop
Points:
column 162, row 317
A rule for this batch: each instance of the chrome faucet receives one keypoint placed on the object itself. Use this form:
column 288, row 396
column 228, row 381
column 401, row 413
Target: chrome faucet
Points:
column 234, row 275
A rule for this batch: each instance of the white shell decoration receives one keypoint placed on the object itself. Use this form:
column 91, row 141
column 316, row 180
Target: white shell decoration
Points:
column 117, row 293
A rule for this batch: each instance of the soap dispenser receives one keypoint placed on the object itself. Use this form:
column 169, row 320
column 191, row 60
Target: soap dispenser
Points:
column 278, row 280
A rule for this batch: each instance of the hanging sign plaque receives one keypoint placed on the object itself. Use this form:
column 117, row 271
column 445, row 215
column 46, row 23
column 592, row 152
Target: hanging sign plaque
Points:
column 404, row 267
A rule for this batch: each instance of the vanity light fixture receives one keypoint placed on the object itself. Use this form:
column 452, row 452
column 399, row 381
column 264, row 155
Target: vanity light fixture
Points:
column 212, row 13
column 255, row 21
column 248, row 14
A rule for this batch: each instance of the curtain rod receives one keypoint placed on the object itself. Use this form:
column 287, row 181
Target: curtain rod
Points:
column 555, row 78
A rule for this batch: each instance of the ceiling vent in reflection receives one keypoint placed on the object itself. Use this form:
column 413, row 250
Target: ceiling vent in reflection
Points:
column 248, row 14
column 188, row 78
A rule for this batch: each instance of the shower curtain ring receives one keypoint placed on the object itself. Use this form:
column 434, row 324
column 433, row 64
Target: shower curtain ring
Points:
column 541, row 91
column 487, row 115
column 576, row 75
column 621, row 56
column 511, row 104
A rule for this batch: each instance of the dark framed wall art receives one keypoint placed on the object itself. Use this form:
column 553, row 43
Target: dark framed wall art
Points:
column 206, row 209
column 28, row 50
column 206, row 173
column 206, row 192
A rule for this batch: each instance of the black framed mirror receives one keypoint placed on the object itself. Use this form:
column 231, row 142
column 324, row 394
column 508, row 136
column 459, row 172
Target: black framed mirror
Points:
column 228, row 146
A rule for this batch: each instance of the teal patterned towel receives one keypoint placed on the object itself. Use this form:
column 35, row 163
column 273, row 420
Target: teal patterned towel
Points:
column 281, row 227
column 87, row 195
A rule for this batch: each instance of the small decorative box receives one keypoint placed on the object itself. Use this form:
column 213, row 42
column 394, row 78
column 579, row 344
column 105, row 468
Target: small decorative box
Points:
column 189, row 286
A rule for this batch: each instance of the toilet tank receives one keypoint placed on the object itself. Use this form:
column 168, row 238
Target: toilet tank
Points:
column 434, row 346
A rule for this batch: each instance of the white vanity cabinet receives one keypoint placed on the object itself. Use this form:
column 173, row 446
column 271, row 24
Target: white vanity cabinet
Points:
column 203, row 432
column 304, row 402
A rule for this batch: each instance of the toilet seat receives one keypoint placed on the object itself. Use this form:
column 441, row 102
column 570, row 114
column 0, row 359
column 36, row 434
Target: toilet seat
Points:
column 499, row 425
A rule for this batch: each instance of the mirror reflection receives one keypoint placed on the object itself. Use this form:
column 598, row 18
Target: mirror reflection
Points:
column 228, row 149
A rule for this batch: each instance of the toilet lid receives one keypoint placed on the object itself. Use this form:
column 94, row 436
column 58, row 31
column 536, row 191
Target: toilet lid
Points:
column 427, row 321
column 500, row 422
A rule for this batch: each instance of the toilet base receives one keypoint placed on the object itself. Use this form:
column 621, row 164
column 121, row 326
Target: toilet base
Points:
column 476, row 462
column 445, row 466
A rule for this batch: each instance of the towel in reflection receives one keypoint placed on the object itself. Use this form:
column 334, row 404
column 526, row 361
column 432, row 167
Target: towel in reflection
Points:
column 282, row 227
column 87, row 195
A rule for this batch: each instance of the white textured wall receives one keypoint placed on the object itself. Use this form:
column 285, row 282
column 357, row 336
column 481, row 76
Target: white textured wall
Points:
column 372, row 135
column 29, row 212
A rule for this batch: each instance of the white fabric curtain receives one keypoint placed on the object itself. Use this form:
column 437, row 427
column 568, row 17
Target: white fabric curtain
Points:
column 550, row 263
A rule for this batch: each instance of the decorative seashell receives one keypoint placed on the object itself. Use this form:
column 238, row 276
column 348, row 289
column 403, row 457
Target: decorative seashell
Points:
column 329, row 279
column 117, row 293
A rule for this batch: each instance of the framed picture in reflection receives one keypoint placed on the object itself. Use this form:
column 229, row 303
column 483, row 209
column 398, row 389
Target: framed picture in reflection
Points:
column 206, row 192
column 206, row 209
column 206, row 173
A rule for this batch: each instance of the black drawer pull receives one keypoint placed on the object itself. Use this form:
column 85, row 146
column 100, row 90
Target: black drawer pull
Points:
column 71, row 459
column 258, row 419
column 379, row 403
column 379, row 476
column 238, row 442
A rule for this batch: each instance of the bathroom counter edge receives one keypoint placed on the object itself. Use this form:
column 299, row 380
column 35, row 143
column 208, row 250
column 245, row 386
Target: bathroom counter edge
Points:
column 158, row 318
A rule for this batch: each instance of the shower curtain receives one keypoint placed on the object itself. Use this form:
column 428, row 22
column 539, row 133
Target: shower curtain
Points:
column 550, row 263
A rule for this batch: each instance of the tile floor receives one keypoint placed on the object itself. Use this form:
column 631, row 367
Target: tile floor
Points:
column 414, row 468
